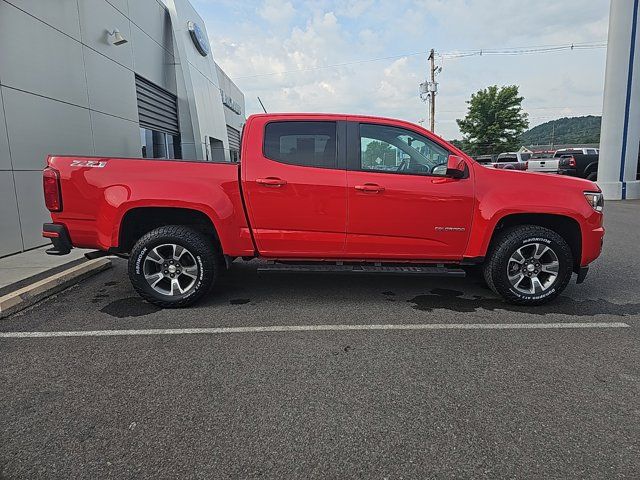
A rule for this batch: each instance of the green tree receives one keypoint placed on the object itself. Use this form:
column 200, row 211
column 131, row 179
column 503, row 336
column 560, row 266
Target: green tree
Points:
column 495, row 120
column 564, row 130
column 458, row 144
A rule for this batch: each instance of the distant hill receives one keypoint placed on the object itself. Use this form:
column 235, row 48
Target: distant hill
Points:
column 574, row 130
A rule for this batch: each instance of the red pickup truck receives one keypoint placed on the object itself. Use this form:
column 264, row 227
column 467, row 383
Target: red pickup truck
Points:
column 326, row 193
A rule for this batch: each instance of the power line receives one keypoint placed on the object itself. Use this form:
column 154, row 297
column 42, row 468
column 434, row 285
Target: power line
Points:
column 448, row 55
column 526, row 109
column 525, row 51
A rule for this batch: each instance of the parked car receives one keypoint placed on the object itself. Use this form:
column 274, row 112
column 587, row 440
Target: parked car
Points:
column 580, row 162
column 307, row 197
column 508, row 161
column 515, row 159
column 485, row 159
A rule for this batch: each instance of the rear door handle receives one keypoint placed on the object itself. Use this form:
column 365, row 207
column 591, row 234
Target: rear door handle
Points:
column 370, row 187
column 271, row 181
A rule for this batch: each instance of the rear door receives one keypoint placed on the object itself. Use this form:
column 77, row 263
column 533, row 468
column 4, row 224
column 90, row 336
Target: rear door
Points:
column 401, row 204
column 294, row 180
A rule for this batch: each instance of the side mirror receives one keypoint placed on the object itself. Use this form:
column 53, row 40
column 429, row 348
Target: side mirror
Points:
column 456, row 167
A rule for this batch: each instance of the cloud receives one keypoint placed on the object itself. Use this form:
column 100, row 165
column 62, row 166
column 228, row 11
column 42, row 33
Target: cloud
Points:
column 291, row 42
column 277, row 13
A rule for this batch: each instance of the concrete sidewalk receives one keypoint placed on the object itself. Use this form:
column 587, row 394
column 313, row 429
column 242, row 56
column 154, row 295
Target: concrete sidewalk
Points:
column 19, row 267
column 30, row 276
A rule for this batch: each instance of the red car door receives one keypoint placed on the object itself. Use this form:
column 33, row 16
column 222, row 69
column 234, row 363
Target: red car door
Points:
column 295, row 185
column 401, row 204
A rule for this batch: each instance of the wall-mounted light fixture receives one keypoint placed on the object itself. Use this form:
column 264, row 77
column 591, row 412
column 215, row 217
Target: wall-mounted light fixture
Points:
column 118, row 39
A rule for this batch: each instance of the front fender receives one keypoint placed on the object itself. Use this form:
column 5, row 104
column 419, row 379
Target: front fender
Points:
column 501, row 193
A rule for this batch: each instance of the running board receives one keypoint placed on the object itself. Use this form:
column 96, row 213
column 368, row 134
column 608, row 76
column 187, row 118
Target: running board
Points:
column 426, row 271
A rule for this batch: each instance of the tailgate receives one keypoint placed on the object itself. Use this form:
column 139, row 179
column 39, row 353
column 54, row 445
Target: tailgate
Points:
column 544, row 165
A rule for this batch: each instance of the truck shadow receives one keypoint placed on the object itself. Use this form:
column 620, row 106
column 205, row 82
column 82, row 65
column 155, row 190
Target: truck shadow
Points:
column 442, row 298
column 243, row 288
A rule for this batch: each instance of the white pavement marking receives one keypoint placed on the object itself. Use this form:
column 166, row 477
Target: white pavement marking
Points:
column 313, row 328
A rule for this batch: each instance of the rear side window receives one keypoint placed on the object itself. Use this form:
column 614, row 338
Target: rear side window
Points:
column 308, row 144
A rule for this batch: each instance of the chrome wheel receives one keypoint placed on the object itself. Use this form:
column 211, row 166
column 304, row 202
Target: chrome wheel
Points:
column 533, row 268
column 170, row 269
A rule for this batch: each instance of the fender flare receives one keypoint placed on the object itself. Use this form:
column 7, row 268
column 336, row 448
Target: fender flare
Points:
column 131, row 206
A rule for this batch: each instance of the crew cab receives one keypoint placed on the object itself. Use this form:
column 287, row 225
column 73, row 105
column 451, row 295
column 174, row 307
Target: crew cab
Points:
column 324, row 192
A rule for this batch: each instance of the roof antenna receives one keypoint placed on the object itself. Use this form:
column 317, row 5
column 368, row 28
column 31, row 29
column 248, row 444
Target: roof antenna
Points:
column 261, row 104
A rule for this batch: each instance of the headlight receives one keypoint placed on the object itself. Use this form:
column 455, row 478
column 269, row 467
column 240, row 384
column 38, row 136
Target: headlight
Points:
column 595, row 199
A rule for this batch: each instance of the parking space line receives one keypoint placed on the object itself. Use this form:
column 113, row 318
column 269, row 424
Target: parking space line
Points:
column 314, row 328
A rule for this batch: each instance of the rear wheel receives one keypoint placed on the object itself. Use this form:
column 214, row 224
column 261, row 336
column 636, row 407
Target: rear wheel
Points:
column 529, row 265
column 593, row 176
column 173, row 266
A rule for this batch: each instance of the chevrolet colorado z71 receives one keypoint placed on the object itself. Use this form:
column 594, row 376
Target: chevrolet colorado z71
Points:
column 321, row 192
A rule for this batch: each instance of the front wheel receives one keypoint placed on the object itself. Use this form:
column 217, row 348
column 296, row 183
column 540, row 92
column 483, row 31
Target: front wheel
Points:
column 529, row 265
column 173, row 266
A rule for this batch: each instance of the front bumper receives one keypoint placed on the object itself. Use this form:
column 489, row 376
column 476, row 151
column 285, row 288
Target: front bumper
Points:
column 59, row 237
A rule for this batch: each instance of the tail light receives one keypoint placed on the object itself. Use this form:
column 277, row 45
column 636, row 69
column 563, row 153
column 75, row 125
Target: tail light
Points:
column 526, row 166
column 52, row 193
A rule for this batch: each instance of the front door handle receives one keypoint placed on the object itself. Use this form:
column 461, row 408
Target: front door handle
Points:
column 271, row 182
column 370, row 187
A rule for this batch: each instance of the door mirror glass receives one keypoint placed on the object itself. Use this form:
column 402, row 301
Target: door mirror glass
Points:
column 456, row 167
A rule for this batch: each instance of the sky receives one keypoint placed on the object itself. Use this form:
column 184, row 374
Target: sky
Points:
column 276, row 49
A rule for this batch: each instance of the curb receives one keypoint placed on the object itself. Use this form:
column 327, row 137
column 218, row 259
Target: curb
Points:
column 26, row 296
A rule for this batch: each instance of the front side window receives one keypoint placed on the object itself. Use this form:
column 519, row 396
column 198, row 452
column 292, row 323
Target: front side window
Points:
column 308, row 144
column 396, row 150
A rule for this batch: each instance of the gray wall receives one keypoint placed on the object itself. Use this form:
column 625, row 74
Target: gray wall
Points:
column 66, row 89
column 233, row 119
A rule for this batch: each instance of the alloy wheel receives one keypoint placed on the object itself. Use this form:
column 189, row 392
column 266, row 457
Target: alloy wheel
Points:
column 170, row 269
column 533, row 268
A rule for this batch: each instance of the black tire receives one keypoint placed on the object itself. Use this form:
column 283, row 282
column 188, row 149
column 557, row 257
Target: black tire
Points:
column 202, row 262
column 593, row 176
column 506, row 244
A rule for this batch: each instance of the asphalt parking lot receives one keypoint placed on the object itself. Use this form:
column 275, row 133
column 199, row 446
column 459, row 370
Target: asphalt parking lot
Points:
column 415, row 403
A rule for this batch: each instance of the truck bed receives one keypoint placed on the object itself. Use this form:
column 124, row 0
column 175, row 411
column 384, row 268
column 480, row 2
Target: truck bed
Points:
column 97, row 193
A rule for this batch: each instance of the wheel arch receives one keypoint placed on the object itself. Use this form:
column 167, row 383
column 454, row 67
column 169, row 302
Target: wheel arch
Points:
column 138, row 221
column 567, row 227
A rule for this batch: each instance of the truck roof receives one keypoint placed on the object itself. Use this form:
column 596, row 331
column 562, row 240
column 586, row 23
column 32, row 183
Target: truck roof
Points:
column 345, row 116
column 328, row 116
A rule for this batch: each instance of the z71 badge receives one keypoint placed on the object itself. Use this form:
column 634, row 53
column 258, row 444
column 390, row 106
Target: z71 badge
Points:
column 88, row 163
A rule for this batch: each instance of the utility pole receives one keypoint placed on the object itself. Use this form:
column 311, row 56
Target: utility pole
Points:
column 429, row 88
column 433, row 90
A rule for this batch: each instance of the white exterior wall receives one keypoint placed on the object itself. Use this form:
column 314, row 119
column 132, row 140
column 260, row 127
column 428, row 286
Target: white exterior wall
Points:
column 197, row 83
column 620, row 134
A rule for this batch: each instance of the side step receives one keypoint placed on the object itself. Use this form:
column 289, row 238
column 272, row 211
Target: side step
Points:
column 423, row 270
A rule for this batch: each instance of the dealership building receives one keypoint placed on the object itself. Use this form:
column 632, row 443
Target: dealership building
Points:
column 129, row 78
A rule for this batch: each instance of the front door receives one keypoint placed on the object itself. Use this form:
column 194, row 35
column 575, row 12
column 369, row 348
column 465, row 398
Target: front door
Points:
column 401, row 204
column 295, row 185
